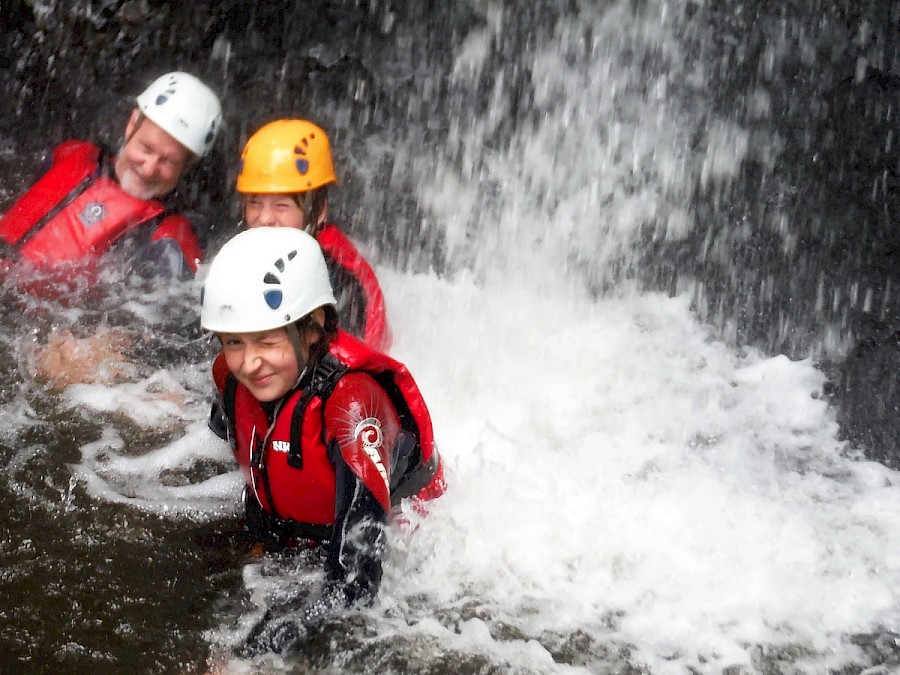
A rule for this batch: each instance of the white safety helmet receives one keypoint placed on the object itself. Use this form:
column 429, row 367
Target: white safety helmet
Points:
column 185, row 108
column 264, row 278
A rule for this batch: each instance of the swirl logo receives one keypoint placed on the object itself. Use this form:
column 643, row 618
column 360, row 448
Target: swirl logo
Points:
column 369, row 432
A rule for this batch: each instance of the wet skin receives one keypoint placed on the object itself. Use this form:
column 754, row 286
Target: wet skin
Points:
column 150, row 162
column 264, row 362
column 273, row 210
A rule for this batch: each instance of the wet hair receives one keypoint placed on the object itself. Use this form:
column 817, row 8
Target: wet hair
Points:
column 312, row 203
column 325, row 333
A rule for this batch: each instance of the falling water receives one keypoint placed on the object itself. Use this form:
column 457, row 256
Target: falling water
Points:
column 630, row 252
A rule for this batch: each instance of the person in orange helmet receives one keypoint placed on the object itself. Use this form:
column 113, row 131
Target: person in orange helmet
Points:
column 285, row 171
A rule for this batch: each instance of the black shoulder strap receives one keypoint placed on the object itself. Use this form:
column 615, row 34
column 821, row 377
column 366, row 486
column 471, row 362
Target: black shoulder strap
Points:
column 323, row 381
column 221, row 412
column 74, row 194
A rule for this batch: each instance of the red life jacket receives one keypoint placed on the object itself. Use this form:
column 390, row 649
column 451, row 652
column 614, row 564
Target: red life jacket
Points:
column 287, row 465
column 338, row 247
column 74, row 211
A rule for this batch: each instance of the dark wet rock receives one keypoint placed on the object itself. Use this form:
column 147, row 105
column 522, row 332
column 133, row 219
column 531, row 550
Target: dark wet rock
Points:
column 800, row 253
column 882, row 648
column 868, row 397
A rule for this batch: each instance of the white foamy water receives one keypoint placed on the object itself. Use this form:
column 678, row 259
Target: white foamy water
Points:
column 616, row 470
column 613, row 470
column 178, row 475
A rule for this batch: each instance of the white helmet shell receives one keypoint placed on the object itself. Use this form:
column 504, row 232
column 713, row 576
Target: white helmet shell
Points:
column 185, row 108
column 264, row 278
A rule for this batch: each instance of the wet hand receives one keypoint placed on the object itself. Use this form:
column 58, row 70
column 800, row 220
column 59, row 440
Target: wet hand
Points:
column 66, row 359
column 282, row 628
column 273, row 635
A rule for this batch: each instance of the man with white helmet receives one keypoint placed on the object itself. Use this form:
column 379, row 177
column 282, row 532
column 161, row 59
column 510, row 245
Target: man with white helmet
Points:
column 330, row 434
column 88, row 200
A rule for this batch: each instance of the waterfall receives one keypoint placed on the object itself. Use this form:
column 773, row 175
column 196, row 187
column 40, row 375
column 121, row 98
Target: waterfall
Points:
column 638, row 255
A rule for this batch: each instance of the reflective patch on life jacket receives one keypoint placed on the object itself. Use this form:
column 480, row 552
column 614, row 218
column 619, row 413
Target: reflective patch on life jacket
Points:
column 92, row 214
column 368, row 431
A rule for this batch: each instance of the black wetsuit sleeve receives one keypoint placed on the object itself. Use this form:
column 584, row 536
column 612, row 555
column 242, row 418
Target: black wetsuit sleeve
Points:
column 137, row 252
column 161, row 258
column 353, row 564
column 352, row 567
column 148, row 258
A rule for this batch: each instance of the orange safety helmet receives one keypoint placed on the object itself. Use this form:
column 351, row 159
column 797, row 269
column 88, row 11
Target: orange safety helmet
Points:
column 286, row 156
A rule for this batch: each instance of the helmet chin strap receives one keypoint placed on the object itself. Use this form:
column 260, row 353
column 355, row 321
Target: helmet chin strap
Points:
column 312, row 222
column 309, row 225
column 294, row 338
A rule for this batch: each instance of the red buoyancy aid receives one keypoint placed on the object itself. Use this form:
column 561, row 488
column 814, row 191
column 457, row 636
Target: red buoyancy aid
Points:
column 307, row 494
column 339, row 248
column 72, row 211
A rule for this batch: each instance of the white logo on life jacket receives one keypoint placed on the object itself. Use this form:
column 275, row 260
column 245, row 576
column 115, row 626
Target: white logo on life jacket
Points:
column 369, row 432
column 281, row 446
column 92, row 214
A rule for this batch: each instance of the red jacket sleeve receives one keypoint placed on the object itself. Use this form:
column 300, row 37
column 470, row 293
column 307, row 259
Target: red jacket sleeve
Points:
column 336, row 245
column 361, row 418
column 68, row 147
column 179, row 229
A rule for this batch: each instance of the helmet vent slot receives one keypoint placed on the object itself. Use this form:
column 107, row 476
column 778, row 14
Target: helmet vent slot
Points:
column 273, row 298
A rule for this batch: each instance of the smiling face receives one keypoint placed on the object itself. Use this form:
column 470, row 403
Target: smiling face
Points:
column 150, row 162
column 273, row 210
column 264, row 362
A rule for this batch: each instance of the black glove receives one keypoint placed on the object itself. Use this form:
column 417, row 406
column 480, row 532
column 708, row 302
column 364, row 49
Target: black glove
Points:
column 219, row 423
column 280, row 635
column 331, row 599
column 161, row 258
column 281, row 628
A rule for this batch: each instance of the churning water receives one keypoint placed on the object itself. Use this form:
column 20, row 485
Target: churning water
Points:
column 631, row 489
